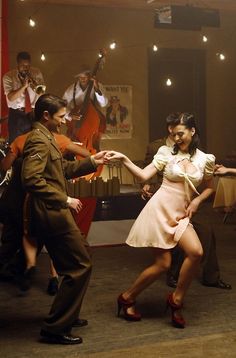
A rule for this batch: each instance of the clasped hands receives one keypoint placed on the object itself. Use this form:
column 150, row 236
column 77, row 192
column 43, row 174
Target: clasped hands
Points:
column 102, row 157
column 106, row 156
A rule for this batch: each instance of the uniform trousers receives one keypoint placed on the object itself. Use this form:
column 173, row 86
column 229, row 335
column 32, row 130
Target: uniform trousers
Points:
column 71, row 259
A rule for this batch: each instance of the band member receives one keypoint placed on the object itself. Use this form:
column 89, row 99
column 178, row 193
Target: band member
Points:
column 22, row 86
column 86, row 95
column 86, row 124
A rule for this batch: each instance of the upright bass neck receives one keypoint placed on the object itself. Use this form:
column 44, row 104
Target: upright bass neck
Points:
column 81, row 111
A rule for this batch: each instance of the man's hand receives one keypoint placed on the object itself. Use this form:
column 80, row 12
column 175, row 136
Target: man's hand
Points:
column 74, row 204
column 100, row 157
column 95, row 84
column 220, row 170
column 75, row 117
column 145, row 193
column 113, row 155
column 25, row 81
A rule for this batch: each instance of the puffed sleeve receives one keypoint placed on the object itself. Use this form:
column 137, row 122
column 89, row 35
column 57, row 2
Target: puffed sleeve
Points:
column 209, row 166
column 161, row 158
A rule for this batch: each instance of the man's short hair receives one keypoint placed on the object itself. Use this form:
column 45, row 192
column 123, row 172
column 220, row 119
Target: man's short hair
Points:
column 50, row 103
column 23, row 55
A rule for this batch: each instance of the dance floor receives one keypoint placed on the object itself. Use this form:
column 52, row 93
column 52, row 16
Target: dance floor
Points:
column 210, row 312
column 109, row 233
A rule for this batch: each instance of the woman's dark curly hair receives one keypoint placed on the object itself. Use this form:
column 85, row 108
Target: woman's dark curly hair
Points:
column 188, row 120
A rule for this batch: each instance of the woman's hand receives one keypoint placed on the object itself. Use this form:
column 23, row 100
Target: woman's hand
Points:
column 113, row 155
column 192, row 207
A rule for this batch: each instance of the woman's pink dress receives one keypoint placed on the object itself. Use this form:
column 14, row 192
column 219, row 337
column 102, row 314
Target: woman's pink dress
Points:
column 162, row 221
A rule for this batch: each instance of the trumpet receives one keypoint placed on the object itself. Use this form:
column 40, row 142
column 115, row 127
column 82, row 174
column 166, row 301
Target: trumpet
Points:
column 36, row 87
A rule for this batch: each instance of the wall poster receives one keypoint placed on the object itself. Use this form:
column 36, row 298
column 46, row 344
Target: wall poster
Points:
column 118, row 112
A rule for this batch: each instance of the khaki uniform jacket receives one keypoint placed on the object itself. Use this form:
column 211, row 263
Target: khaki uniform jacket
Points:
column 44, row 174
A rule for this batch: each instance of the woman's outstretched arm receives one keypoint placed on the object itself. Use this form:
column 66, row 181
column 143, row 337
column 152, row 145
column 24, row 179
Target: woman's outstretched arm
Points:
column 141, row 174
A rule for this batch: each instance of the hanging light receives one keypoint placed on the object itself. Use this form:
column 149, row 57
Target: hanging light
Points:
column 221, row 56
column 43, row 58
column 154, row 48
column 204, row 38
column 168, row 82
column 32, row 23
column 113, row 45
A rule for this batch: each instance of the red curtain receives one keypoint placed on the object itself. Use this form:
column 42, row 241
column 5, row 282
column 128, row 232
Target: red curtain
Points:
column 4, row 64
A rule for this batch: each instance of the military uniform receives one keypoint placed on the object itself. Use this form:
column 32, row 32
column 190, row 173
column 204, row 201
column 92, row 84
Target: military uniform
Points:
column 44, row 174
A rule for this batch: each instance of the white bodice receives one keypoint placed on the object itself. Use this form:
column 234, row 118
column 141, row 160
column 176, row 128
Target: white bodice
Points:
column 183, row 168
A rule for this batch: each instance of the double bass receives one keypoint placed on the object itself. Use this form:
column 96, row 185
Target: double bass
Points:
column 89, row 122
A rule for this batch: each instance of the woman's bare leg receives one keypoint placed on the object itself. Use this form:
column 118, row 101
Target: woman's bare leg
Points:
column 162, row 260
column 192, row 247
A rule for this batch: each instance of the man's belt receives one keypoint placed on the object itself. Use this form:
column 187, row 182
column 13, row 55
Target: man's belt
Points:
column 21, row 109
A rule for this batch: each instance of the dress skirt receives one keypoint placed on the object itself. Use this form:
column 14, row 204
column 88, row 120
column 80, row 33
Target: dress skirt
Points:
column 162, row 221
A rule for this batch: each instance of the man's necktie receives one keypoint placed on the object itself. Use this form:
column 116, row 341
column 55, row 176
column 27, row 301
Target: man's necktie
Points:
column 28, row 107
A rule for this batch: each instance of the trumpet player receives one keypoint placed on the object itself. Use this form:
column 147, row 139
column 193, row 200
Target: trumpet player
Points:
column 22, row 87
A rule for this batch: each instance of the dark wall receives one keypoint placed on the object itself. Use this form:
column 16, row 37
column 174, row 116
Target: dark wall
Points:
column 186, row 69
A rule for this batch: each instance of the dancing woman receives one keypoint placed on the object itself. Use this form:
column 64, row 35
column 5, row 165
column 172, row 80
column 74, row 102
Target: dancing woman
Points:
column 165, row 220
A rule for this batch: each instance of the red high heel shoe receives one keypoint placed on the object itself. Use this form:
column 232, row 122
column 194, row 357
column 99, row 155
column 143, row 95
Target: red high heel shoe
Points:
column 177, row 320
column 124, row 305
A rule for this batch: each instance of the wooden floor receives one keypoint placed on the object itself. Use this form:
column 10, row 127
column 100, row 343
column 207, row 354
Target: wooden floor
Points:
column 210, row 312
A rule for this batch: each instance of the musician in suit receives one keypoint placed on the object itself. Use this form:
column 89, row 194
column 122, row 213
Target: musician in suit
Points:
column 43, row 176
column 22, row 87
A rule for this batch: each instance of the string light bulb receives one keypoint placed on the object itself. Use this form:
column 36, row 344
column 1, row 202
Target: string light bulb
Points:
column 204, row 38
column 32, row 23
column 113, row 45
column 168, row 82
column 155, row 48
column 43, row 58
column 221, row 56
